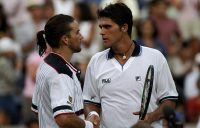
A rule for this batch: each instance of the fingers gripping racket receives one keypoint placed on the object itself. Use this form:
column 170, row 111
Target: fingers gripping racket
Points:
column 146, row 95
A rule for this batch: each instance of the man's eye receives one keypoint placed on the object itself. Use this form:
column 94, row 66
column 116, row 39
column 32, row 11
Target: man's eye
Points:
column 107, row 26
column 78, row 32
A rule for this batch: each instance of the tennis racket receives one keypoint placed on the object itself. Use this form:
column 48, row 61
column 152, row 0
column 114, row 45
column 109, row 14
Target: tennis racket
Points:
column 146, row 95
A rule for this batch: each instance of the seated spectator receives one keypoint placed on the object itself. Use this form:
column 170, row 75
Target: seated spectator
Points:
column 147, row 35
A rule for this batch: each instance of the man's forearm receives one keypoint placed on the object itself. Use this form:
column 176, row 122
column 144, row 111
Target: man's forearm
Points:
column 92, row 112
column 158, row 113
column 71, row 121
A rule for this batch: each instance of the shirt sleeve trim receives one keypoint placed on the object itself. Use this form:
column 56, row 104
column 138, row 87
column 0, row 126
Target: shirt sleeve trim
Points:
column 34, row 108
column 168, row 98
column 64, row 107
column 79, row 112
column 87, row 101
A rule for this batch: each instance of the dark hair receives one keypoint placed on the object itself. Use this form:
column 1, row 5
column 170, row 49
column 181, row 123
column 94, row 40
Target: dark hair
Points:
column 142, row 22
column 119, row 13
column 55, row 28
column 85, row 11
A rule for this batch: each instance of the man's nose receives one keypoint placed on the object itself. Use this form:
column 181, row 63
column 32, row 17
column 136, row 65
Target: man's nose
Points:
column 81, row 37
column 102, row 32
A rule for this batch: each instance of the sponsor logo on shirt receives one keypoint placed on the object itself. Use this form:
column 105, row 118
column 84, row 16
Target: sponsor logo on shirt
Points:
column 92, row 98
column 138, row 78
column 106, row 81
column 69, row 100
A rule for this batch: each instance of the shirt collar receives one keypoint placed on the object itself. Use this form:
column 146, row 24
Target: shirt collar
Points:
column 136, row 52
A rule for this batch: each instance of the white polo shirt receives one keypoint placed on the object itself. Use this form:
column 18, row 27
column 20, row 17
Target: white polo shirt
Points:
column 57, row 91
column 118, row 89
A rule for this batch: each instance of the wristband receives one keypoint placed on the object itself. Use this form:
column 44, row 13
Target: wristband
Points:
column 93, row 113
column 88, row 124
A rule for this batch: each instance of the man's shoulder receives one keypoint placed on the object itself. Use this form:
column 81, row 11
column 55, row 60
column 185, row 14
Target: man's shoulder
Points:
column 154, row 55
column 102, row 54
column 99, row 57
column 152, row 51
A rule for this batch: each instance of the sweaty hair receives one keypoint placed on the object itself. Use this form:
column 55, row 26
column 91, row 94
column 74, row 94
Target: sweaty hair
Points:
column 118, row 13
column 55, row 28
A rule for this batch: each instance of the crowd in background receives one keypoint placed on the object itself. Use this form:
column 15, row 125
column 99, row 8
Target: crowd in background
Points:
column 171, row 26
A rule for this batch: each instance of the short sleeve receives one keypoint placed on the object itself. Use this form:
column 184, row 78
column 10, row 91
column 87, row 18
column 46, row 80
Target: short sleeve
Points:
column 61, row 89
column 90, row 90
column 166, row 88
column 34, row 106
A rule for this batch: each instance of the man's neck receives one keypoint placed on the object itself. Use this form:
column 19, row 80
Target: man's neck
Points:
column 123, row 51
column 66, row 55
column 122, row 46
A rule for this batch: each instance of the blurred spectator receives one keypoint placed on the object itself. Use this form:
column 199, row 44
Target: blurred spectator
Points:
column 19, row 20
column 32, row 62
column 48, row 10
column 10, row 64
column 195, row 45
column 143, row 4
column 167, row 28
column 83, row 15
column 15, row 11
column 190, row 88
column 181, row 63
column 35, row 9
column 64, row 6
column 186, row 14
column 147, row 35
column 193, row 105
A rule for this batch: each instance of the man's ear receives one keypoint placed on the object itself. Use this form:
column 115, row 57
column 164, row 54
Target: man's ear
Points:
column 124, row 28
column 65, row 40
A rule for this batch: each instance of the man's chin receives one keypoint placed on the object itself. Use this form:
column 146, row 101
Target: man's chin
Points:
column 78, row 50
column 106, row 45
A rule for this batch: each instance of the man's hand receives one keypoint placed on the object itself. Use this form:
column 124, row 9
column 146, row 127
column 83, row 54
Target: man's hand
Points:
column 148, row 118
column 95, row 120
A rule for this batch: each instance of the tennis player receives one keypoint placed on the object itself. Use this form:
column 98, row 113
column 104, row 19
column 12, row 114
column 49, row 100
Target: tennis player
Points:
column 115, row 77
column 58, row 95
